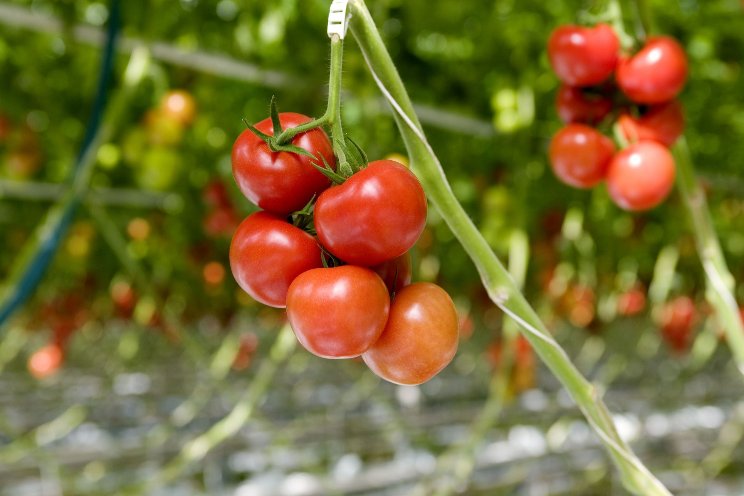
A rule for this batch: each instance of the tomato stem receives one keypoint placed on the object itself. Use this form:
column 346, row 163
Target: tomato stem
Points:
column 496, row 280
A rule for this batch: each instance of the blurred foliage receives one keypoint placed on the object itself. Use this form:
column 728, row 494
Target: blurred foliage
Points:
column 478, row 59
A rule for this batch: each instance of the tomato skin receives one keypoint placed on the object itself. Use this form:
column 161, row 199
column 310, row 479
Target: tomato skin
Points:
column 576, row 105
column 420, row 338
column 395, row 273
column 641, row 176
column 338, row 312
column 179, row 105
column 281, row 182
column 663, row 123
column 46, row 361
column 267, row 254
column 583, row 56
column 678, row 317
column 376, row 215
column 656, row 74
column 580, row 155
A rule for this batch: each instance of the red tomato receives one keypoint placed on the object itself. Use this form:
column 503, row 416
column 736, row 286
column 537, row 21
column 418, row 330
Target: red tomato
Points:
column 267, row 254
column 641, row 176
column 46, row 361
column 246, row 351
column 179, row 105
column 215, row 194
column 395, row 273
column 677, row 319
column 376, row 215
column 656, row 74
column 663, row 123
column 580, row 155
column 577, row 105
column 281, row 182
column 220, row 222
column 420, row 337
column 583, row 56
column 338, row 312
column 631, row 302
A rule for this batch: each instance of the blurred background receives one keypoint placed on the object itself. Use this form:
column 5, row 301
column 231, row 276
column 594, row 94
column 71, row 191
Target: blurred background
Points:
column 137, row 366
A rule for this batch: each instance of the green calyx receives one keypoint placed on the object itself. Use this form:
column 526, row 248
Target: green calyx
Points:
column 278, row 142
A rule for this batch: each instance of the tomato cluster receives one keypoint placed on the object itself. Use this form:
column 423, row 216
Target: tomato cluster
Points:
column 335, row 253
column 640, row 99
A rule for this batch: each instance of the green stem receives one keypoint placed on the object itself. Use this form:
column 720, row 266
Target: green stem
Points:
column 332, row 112
column 720, row 281
column 645, row 19
column 496, row 280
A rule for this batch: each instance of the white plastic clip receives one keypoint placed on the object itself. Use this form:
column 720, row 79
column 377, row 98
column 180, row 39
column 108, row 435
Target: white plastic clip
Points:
column 338, row 18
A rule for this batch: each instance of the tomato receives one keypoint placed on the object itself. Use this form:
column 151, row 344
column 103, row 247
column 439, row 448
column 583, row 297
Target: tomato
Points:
column 267, row 254
column 641, row 176
column 631, row 302
column 395, row 273
column 281, row 182
column 5, row 128
column 246, row 350
column 221, row 222
column 656, row 74
column 215, row 194
column 179, row 106
column 376, row 215
column 338, row 312
column 580, row 155
column 577, row 105
column 677, row 319
column 46, row 361
column 583, row 56
column 663, row 123
column 420, row 337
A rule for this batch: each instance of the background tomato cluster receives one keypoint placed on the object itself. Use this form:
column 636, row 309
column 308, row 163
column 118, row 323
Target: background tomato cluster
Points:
column 140, row 286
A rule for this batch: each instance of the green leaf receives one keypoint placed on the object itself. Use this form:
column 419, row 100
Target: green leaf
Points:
column 328, row 172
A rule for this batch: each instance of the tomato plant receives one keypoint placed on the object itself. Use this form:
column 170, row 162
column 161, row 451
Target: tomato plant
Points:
column 583, row 56
column 281, row 182
column 375, row 215
column 656, row 74
column 420, row 337
column 580, row 155
column 267, row 254
column 338, row 312
column 641, row 176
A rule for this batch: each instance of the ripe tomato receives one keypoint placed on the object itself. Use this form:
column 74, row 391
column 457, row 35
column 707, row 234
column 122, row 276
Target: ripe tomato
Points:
column 656, row 73
column 215, row 194
column 221, row 222
column 395, row 273
column 663, row 123
column 577, row 105
column 580, row 155
column 338, row 312
column 631, row 302
column 281, row 182
column 641, row 176
column 267, row 254
column 179, row 106
column 677, row 319
column 46, row 361
column 583, row 56
column 376, row 215
column 420, row 337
